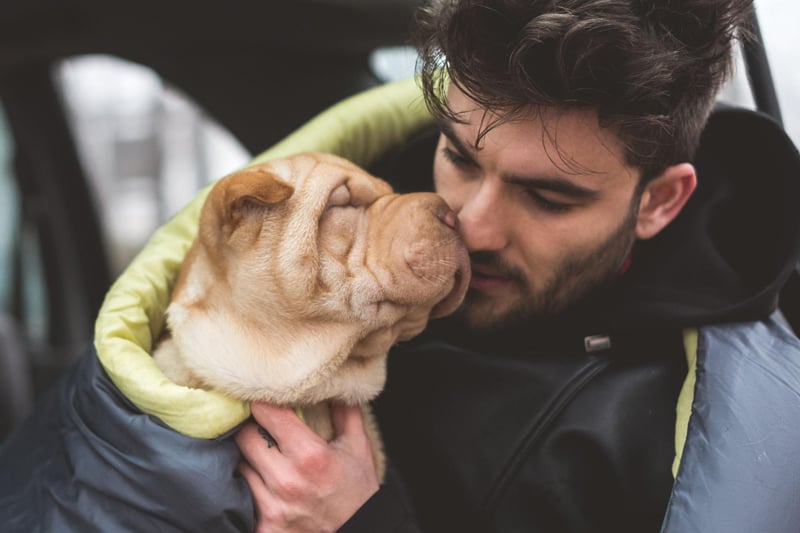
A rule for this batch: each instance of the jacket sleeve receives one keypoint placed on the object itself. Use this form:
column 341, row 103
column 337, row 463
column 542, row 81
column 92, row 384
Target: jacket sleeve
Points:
column 738, row 471
column 88, row 460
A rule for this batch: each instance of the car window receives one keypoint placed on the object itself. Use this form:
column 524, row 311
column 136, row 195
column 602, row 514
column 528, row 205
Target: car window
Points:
column 391, row 63
column 778, row 22
column 9, row 212
column 145, row 146
column 776, row 19
column 23, row 300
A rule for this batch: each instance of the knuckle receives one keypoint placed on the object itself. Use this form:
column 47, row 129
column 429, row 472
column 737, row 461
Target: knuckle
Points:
column 314, row 460
column 292, row 488
column 273, row 515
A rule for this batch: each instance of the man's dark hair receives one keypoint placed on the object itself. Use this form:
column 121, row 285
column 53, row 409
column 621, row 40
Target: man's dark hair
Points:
column 650, row 68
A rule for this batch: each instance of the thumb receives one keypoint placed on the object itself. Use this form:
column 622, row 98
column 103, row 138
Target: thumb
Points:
column 353, row 439
column 348, row 421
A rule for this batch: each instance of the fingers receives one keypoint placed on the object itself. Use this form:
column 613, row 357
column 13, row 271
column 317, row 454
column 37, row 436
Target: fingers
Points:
column 349, row 427
column 256, row 450
column 257, row 486
column 317, row 485
column 281, row 435
column 283, row 424
column 347, row 419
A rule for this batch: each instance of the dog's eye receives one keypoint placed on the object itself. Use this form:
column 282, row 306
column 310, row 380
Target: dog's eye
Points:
column 339, row 197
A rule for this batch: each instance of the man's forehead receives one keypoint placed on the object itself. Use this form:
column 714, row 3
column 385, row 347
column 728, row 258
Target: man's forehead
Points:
column 572, row 139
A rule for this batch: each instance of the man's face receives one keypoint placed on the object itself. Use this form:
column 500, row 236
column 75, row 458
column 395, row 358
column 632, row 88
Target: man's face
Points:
column 546, row 205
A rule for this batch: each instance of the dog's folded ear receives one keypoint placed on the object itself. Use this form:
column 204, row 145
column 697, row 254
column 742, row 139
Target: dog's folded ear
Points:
column 252, row 189
column 258, row 186
column 244, row 195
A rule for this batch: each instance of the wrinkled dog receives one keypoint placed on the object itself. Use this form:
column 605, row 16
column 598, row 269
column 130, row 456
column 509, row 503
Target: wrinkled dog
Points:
column 304, row 272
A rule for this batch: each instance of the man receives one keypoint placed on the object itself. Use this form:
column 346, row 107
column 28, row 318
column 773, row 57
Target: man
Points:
column 548, row 402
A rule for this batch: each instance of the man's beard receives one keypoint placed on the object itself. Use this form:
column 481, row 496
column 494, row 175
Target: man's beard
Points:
column 577, row 275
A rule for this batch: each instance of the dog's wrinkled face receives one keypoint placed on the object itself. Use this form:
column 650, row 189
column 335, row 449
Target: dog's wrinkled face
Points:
column 305, row 272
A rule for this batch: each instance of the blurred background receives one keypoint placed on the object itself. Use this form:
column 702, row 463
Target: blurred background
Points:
column 113, row 116
column 147, row 147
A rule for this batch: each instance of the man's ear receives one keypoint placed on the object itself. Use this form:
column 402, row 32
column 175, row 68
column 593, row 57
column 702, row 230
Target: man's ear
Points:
column 663, row 198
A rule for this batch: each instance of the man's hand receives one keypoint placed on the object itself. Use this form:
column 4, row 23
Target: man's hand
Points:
column 300, row 483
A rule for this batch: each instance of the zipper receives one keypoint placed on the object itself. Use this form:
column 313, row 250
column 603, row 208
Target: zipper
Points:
column 560, row 401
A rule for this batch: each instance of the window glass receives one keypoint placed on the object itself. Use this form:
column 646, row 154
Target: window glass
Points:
column 737, row 90
column 778, row 22
column 22, row 289
column 776, row 19
column 393, row 63
column 9, row 214
column 145, row 147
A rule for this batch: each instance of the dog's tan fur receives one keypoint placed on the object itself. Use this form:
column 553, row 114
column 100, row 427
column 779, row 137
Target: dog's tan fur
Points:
column 304, row 272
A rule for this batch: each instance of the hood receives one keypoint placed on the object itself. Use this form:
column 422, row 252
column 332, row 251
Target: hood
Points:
column 727, row 255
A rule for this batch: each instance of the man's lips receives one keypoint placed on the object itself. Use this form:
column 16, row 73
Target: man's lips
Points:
column 486, row 279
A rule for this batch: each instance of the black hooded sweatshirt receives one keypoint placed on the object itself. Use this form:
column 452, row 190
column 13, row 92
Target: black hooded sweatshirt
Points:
column 530, row 429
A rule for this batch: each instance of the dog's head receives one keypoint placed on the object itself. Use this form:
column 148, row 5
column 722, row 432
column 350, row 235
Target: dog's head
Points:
column 304, row 273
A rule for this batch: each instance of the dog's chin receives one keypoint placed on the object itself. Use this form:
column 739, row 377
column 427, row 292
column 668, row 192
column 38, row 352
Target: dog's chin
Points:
column 357, row 381
column 456, row 295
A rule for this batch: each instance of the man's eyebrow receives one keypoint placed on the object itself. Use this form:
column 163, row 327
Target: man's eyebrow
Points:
column 555, row 184
column 447, row 130
column 550, row 183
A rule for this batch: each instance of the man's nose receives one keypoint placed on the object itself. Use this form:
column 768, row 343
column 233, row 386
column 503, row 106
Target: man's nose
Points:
column 483, row 218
